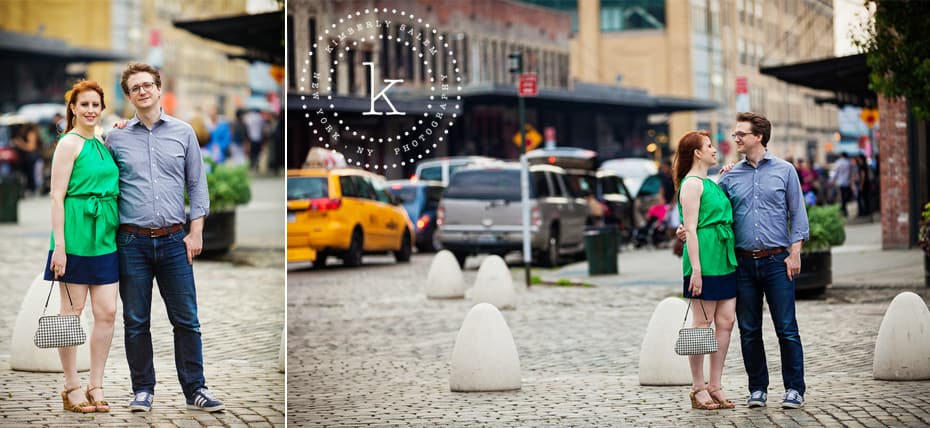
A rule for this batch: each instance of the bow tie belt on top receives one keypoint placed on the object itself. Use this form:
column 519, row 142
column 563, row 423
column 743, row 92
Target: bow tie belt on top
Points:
column 725, row 235
column 92, row 210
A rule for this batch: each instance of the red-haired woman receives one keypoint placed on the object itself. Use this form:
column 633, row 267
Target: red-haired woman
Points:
column 82, row 255
column 709, row 261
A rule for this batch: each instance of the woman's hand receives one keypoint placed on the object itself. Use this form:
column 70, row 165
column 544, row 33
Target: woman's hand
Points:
column 120, row 124
column 696, row 285
column 726, row 168
column 59, row 262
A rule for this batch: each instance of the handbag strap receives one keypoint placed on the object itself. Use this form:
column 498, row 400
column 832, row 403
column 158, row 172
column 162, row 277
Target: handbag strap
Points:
column 51, row 285
column 701, row 301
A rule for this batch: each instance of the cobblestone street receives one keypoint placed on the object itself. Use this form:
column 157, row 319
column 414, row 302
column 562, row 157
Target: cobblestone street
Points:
column 241, row 308
column 366, row 347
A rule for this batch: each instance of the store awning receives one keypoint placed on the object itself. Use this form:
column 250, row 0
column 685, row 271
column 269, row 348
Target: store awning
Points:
column 261, row 35
column 847, row 77
column 27, row 47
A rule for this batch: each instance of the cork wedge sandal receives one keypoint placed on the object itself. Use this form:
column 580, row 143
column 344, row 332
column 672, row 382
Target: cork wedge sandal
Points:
column 82, row 407
column 102, row 405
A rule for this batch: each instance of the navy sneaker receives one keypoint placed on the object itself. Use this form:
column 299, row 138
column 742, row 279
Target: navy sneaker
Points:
column 142, row 401
column 203, row 400
column 793, row 400
column 757, row 399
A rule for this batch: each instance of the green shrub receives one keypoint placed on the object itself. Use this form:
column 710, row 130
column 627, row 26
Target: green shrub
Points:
column 923, row 234
column 826, row 227
column 229, row 186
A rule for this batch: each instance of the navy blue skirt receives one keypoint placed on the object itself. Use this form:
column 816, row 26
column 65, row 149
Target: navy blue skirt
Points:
column 93, row 270
column 716, row 287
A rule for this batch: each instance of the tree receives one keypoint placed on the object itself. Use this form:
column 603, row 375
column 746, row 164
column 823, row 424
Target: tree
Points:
column 898, row 51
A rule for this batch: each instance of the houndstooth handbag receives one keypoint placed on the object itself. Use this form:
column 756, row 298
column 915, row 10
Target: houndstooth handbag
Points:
column 59, row 331
column 695, row 341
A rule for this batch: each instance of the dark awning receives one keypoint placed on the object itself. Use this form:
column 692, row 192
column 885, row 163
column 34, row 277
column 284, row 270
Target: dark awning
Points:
column 847, row 77
column 28, row 47
column 588, row 95
column 261, row 35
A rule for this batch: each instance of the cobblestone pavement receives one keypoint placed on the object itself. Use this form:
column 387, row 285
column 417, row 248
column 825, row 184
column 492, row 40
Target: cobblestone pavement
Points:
column 241, row 301
column 365, row 347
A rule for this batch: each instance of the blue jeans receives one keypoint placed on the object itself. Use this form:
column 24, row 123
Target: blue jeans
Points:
column 141, row 259
column 755, row 278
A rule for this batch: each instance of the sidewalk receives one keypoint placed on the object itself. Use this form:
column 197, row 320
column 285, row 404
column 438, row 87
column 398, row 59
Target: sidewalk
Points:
column 241, row 310
column 859, row 263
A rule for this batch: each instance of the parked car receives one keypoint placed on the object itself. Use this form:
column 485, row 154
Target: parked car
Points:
column 343, row 212
column 612, row 190
column 646, row 197
column 442, row 168
column 633, row 170
column 481, row 212
column 421, row 201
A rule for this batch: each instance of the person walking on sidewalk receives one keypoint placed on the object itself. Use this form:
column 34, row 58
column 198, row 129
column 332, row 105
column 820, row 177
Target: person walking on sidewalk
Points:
column 82, row 257
column 708, row 262
column 771, row 226
column 159, row 158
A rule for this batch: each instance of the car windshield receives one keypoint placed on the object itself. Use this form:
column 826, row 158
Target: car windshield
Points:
column 485, row 184
column 431, row 173
column 406, row 194
column 307, row 188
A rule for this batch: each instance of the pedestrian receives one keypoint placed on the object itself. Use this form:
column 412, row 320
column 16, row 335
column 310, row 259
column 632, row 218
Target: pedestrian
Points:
column 28, row 143
column 864, row 195
column 82, row 254
column 770, row 221
column 841, row 180
column 708, row 261
column 808, row 177
column 255, row 136
column 159, row 159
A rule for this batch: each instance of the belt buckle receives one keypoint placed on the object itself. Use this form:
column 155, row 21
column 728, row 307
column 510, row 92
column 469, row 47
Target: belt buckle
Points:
column 756, row 254
column 152, row 233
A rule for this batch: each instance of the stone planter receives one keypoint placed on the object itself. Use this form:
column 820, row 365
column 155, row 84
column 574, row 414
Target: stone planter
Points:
column 816, row 272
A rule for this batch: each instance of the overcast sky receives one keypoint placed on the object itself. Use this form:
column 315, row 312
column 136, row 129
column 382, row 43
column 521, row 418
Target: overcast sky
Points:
column 845, row 17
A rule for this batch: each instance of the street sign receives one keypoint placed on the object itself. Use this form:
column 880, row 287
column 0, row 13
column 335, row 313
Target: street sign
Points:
column 527, row 86
column 869, row 116
column 533, row 139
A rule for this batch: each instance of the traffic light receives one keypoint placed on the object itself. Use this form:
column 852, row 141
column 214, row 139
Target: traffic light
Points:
column 516, row 62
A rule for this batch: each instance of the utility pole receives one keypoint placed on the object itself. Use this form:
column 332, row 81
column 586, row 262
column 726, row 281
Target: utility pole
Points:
column 516, row 67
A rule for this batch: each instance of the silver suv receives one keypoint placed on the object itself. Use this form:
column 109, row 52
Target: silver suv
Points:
column 481, row 212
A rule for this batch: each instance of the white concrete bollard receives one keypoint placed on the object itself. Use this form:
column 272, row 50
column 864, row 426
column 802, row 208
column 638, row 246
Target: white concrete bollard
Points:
column 902, row 349
column 282, row 362
column 24, row 355
column 484, row 357
column 494, row 285
column 445, row 280
column 658, row 362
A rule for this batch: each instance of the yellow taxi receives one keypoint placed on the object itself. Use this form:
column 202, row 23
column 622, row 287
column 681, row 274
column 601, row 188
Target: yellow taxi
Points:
column 345, row 213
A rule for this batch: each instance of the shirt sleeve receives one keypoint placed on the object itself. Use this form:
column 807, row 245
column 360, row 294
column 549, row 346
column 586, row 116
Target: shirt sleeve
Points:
column 800, row 230
column 196, row 178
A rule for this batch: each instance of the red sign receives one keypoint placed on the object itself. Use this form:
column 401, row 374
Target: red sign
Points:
column 527, row 86
column 742, row 85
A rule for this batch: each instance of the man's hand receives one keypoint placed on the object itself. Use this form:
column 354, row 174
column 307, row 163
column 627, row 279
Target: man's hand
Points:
column 794, row 264
column 194, row 244
column 680, row 233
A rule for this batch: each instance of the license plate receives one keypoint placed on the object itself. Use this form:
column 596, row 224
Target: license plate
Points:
column 487, row 238
column 291, row 217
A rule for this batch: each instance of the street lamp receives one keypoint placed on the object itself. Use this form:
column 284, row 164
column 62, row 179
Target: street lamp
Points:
column 515, row 62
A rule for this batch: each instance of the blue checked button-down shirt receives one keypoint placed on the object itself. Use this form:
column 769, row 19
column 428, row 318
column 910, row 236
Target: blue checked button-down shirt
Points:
column 155, row 168
column 766, row 200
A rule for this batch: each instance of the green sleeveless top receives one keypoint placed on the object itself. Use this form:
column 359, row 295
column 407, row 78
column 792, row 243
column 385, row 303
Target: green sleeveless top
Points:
column 91, row 216
column 714, row 232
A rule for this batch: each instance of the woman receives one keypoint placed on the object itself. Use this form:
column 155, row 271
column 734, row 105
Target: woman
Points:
column 82, row 255
column 709, row 261
column 29, row 145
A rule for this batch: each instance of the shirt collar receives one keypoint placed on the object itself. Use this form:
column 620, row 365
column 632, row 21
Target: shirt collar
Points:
column 162, row 117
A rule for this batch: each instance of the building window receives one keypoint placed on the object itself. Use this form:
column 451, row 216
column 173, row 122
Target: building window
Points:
column 625, row 15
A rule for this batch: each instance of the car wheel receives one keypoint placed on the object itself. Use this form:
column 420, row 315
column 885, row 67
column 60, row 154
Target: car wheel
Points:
column 320, row 261
column 552, row 249
column 353, row 256
column 434, row 240
column 403, row 255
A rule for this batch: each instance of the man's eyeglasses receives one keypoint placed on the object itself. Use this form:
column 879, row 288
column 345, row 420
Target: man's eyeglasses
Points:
column 740, row 134
column 138, row 88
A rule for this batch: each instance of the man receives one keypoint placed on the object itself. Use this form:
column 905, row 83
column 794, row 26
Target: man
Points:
column 159, row 158
column 770, row 224
column 842, row 171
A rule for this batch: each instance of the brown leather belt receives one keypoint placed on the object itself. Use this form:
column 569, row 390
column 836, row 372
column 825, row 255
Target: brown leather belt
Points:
column 157, row 232
column 758, row 254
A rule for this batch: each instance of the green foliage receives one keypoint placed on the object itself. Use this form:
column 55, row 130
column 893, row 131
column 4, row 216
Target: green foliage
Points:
column 536, row 279
column 923, row 234
column 826, row 227
column 229, row 186
column 898, row 51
